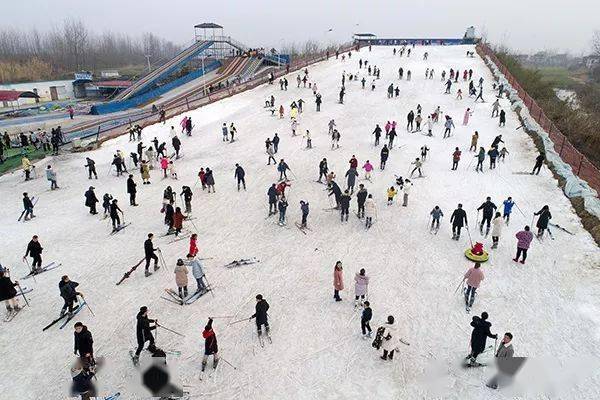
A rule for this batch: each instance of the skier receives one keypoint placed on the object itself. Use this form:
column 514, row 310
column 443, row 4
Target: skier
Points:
column 338, row 280
column 131, row 189
column 91, row 200
column 282, row 206
column 384, row 156
column 495, row 107
column 508, row 205
column 69, row 294
column 370, row 211
column 345, row 205
column 272, row 193
column 481, row 331
column 480, row 158
column 27, row 207
column 8, row 293
column 197, row 272
column 34, row 250
column 473, row 277
column 261, row 315
column 458, row 220
column 524, row 239
column 239, row 175
column 150, row 255
column 27, row 167
column 144, row 332
column 193, row 246
column 406, row 191
column 233, row 131
column 351, row 174
column 361, row 197
column 455, row 158
column 488, row 212
column 368, row 167
column 502, row 118
column 83, row 344
column 392, row 135
column 318, row 101
column 210, row 345
column 82, row 376
column 436, row 214
column 181, row 278
column 505, row 352
column 186, row 193
column 418, row 164
column 209, row 180
column 497, row 223
column 275, row 142
column 114, row 215
column 429, row 126
column 335, row 139
column 474, row 140
column 539, row 160
column 106, row 199
column 91, row 166
column 390, row 340
column 448, row 86
column 466, row 117
column 177, row 223
column 493, row 154
column 282, row 167
column 497, row 141
column 543, row 219
column 270, row 153
column 449, row 124
column 365, row 319
column 391, row 193
column 503, row 153
column 418, row 120
column 225, row 132
column 331, row 125
column 342, row 92
column 361, row 288
column 410, row 118
column 51, row 176
column 304, row 207
column 424, row 150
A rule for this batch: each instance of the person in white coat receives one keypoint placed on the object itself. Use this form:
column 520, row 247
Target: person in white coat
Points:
column 370, row 211
column 497, row 224
column 361, row 287
column 390, row 339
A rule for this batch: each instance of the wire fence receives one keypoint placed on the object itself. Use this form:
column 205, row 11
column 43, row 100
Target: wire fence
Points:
column 115, row 126
column 582, row 167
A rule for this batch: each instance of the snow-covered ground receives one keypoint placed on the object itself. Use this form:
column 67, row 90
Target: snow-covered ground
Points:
column 550, row 304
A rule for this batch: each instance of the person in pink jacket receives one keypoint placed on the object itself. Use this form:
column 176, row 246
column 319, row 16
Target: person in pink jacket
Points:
column 524, row 239
column 473, row 276
column 361, row 287
column 368, row 167
column 338, row 281
column 183, row 123
column 164, row 165
column 468, row 114
column 388, row 126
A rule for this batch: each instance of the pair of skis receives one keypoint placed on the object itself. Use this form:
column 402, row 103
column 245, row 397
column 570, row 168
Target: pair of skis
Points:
column 65, row 315
column 175, row 298
column 119, row 229
column 261, row 339
column 243, row 261
column 301, row 228
column 48, row 267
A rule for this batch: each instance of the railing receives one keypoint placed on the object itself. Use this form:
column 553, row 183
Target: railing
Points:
column 116, row 127
column 582, row 167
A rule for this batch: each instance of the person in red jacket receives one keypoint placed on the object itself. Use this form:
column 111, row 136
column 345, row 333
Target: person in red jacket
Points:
column 202, row 175
column 210, row 345
column 281, row 188
column 193, row 247
column 353, row 162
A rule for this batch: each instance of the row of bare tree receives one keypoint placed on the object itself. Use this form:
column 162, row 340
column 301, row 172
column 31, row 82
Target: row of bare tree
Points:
column 73, row 47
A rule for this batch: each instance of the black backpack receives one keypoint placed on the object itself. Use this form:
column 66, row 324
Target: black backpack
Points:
column 378, row 337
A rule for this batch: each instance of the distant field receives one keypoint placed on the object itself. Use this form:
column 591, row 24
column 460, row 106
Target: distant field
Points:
column 560, row 77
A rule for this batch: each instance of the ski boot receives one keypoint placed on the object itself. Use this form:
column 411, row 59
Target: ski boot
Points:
column 203, row 365
column 17, row 308
column 147, row 273
column 136, row 360
column 156, row 267
column 215, row 363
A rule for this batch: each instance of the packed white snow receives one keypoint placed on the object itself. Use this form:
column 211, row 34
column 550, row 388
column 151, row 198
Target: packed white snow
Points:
column 550, row 304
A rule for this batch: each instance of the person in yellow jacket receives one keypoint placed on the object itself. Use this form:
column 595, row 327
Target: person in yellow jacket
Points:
column 27, row 167
column 391, row 193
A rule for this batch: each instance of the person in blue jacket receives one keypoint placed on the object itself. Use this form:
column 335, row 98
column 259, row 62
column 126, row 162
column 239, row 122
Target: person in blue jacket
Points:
column 508, row 205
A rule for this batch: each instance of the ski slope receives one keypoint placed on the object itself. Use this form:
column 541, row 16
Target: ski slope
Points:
column 551, row 304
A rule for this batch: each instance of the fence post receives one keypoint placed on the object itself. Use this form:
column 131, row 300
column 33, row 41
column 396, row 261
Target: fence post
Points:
column 580, row 162
column 98, row 134
column 186, row 103
column 562, row 146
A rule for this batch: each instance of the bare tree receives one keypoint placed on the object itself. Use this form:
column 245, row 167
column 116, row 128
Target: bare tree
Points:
column 596, row 43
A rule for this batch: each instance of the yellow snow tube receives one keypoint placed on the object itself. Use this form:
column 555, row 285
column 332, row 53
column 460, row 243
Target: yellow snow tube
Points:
column 478, row 258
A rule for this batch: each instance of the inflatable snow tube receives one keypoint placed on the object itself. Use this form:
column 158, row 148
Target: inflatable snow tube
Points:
column 478, row 258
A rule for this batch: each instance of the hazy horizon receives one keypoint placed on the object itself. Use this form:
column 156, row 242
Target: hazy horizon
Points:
column 522, row 26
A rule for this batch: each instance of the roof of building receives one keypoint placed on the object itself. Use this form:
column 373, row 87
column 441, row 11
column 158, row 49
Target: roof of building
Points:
column 208, row 25
column 13, row 95
column 112, row 84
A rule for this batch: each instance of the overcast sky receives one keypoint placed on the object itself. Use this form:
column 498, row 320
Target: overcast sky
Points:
column 524, row 25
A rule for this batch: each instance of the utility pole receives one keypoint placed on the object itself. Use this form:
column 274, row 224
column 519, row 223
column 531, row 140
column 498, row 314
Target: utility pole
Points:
column 148, row 59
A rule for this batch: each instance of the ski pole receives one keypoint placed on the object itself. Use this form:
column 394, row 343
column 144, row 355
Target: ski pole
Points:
column 495, row 345
column 471, row 162
column 87, row 305
column 222, row 316
column 23, row 294
column 519, row 209
column 469, row 232
column 228, row 363
column 170, row 330
column 459, row 285
column 209, row 286
column 30, row 270
column 239, row 320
